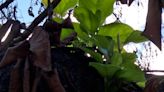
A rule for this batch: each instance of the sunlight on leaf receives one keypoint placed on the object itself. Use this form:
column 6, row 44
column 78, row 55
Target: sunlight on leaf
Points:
column 106, row 7
column 104, row 43
column 141, row 84
column 90, row 5
column 97, row 56
column 88, row 21
column 63, row 6
column 65, row 33
column 114, row 29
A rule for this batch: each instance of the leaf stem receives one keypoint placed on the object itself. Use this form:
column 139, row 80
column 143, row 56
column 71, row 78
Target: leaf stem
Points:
column 118, row 43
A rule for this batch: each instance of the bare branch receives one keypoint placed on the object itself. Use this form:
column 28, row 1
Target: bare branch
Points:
column 3, row 14
column 29, row 29
column 15, row 7
column 36, row 21
column 5, row 4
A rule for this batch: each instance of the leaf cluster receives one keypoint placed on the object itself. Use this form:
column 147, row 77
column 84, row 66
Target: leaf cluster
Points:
column 111, row 61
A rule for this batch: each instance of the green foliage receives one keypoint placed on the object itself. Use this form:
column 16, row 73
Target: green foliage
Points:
column 95, row 55
column 129, row 69
column 136, row 37
column 104, row 7
column 105, row 70
column 65, row 33
column 81, row 34
column 122, row 67
column 126, row 69
column 107, row 38
column 131, row 75
column 141, row 84
column 105, row 44
column 90, row 5
column 63, row 6
column 91, row 32
column 128, row 60
column 89, row 22
column 114, row 29
column 116, row 59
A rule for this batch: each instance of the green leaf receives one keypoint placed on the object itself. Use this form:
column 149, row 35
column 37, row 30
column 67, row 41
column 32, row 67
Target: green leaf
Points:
column 65, row 33
column 131, row 75
column 45, row 2
column 64, row 5
column 141, row 84
column 88, row 21
column 129, row 60
column 116, row 59
column 90, row 5
column 130, row 71
column 105, row 70
column 80, row 33
column 103, row 6
column 106, row 8
column 104, row 43
column 58, row 20
column 135, row 37
column 114, row 29
column 97, row 56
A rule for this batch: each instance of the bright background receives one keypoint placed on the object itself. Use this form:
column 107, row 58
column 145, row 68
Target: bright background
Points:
column 23, row 6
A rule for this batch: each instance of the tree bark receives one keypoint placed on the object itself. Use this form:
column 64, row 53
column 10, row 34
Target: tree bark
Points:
column 153, row 24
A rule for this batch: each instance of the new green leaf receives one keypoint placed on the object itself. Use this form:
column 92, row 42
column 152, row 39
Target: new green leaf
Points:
column 89, row 22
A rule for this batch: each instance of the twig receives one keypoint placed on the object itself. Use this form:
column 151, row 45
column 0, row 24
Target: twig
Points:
column 3, row 14
column 15, row 7
column 153, row 70
column 29, row 30
column 5, row 4
column 118, row 43
column 36, row 21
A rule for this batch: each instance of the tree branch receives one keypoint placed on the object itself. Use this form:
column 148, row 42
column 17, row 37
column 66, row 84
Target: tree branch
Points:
column 36, row 21
column 3, row 14
column 29, row 29
column 5, row 4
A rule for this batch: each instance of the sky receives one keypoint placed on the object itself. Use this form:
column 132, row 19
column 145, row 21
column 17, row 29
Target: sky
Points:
column 133, row 15
column 22, row 12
